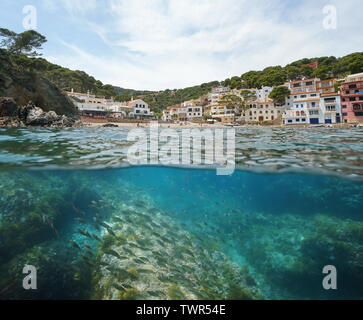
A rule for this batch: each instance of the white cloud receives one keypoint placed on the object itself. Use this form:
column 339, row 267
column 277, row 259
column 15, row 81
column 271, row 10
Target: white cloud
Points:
column 177, row 43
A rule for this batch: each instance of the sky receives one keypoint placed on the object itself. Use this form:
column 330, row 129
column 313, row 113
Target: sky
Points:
column 161, row 44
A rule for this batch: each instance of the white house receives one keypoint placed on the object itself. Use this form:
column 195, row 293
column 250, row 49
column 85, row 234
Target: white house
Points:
column 331, row 108
column 191, row 110
column 263, row 93
column 140, row 108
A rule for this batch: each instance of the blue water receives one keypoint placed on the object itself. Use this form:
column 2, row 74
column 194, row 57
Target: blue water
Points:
column 174, row 233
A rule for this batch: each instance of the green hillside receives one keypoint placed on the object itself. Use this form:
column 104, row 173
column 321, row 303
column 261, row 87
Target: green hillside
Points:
column 328, row 67
column 65, row 79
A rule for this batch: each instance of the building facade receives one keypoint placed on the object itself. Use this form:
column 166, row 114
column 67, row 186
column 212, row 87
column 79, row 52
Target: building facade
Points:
column 262, row 111
column 312, row 101
column 263, row 93
column 330, row 108
column 351, row 95
column 326, row 86
column 193, row 109
column 140, row 109
column 90, row 105
column 186, row 111
column 223, row 113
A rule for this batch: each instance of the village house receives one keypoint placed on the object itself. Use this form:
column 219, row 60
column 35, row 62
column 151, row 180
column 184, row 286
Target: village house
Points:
column 193, row 109
column 303, row 104
column 223, row 113
column 351, row 95
column 187, row 111
column 167, row 114
column 216, row 94
column 312, row 101
column 263, row 93
column 93, row 106
column 262, row 111
column 140, row 109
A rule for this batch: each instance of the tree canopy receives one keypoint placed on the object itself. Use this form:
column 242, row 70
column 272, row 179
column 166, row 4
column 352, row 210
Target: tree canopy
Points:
column 26, row 43
column 278, row 94
column 328, row 67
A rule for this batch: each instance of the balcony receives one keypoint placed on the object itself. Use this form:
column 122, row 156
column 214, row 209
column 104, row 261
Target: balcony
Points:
column 357, row 107
column 309, row 106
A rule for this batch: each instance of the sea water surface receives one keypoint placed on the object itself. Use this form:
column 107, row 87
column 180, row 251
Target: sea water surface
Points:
column 97, row 228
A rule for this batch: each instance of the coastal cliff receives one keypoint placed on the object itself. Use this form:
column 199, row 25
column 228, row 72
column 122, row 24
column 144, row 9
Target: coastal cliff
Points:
column 24, row 86
column 12, row 115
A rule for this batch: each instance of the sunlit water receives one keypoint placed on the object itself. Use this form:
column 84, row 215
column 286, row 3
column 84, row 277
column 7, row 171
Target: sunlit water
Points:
column 293, row 206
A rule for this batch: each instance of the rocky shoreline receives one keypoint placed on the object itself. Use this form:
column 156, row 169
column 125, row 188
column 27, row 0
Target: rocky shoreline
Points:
column 12, row 115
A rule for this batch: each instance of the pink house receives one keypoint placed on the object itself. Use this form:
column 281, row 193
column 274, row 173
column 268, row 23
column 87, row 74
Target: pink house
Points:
column 351, row 93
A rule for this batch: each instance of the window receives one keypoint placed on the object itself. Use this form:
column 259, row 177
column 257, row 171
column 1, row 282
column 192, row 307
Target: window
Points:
column 344, row 106
column 361, row 98
column 289, row 121
column 297, row 120
column 352, row 86
column 356, row 107
column 347, row 92
column 303, row 120
column 352, row 99
column 313, row 104
column 359, row 114
column 344, row 114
